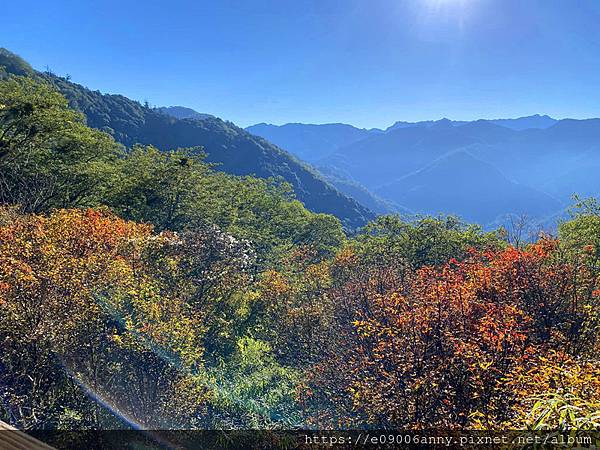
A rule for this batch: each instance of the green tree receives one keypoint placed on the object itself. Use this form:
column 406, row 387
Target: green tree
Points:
column 582, row 232
column 423, row 241
column 49, row 158
column 176, row 190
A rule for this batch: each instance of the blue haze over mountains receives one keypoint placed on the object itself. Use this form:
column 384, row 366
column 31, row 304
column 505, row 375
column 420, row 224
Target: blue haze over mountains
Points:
column 483, row 170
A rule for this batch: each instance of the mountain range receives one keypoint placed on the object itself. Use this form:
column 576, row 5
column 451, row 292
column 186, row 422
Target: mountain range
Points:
column 312, row 142
column 520, row 123
column 482, row 170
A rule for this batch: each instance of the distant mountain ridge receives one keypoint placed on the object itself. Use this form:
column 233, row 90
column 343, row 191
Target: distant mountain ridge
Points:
column 482, row 170
column 311, row 142
column 181, row 112
column 524, row 123
column 539, row 168
column 520, row 123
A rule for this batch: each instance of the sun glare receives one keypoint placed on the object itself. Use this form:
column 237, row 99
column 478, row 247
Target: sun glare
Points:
column 435, row 12
column 447, row 4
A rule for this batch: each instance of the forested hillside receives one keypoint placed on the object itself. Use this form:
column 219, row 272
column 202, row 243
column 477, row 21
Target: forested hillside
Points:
column 232, row 149
column 144, row 289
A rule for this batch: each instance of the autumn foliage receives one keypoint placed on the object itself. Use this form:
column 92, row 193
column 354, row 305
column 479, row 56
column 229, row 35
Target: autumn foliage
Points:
column 155, row 292
column 469, row 343
column 442, row 346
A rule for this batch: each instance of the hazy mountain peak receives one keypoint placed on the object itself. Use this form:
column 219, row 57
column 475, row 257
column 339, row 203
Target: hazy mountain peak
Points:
column 525, row 122
column 311, row 141
column 442, row 123
column 485, row 130
column 182, row 112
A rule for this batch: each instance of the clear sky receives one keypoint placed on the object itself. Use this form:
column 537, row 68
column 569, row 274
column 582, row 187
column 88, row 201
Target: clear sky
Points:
column 364, row 62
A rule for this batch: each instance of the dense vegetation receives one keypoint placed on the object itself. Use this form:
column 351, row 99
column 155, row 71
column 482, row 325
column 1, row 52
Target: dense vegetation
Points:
column 142, row 287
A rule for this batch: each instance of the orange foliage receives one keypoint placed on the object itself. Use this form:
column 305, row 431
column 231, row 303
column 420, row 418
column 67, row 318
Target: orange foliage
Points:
column 436, row 349
column 51, row 268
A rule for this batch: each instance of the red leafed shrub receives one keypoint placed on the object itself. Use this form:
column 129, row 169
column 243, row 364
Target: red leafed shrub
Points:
column 435, row 350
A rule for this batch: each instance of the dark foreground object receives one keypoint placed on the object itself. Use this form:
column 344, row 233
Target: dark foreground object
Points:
column 11, row 438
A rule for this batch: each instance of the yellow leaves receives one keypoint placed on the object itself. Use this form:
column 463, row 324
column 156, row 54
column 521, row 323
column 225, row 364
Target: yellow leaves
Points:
column 550, row 384
column 355, row 395
column 346, row 257
column 367, row 328
column 117, row 339
column 62, row 264
column 317, row 273
column 171, row 264
column 274, row 283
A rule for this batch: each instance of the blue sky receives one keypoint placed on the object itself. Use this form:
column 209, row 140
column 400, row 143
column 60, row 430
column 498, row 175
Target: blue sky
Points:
column 368, row 63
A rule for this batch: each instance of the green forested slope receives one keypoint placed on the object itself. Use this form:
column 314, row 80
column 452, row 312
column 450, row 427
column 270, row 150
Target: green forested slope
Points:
column 234, row 150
